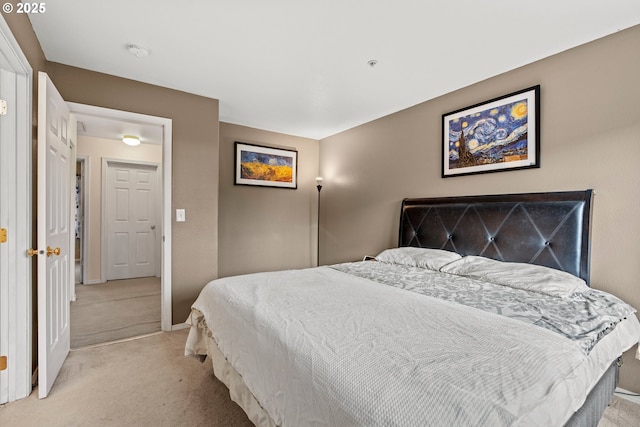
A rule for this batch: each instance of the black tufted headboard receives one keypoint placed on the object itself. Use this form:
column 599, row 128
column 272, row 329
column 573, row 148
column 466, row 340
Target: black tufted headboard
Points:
column 550, row 229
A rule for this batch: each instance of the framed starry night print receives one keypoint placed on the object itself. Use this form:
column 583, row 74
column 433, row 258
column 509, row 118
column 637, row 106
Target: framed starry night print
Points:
column 496, row 135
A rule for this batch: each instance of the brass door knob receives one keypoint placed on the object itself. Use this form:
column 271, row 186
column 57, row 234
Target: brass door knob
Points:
column 32, row 252
column 55, row 251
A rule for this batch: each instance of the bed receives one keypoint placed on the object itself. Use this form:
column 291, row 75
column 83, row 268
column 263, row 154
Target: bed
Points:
column 482, row 315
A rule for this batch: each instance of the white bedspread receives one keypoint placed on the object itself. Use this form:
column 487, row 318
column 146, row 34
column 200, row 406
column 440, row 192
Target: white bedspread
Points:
column 321, row 347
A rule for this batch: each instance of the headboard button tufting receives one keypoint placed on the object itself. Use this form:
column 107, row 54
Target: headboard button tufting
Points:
column 526, row 225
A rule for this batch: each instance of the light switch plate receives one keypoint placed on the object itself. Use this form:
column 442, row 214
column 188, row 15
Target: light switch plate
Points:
column 181, row 215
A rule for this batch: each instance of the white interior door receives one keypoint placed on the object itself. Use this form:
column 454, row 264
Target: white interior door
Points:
column 55, row 259
column 130, row 214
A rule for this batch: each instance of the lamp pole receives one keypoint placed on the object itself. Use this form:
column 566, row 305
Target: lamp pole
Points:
column 319, row 187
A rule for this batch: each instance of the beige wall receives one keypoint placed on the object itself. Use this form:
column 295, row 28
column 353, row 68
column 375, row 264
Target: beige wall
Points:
column 95, row 149
column 265, row 229
column 590, row 118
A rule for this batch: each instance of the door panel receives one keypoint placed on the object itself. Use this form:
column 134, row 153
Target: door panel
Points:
column 130, row 220
column 54, row 224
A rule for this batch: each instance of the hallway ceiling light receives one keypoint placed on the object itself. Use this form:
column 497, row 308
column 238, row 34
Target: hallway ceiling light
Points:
column 131, row 140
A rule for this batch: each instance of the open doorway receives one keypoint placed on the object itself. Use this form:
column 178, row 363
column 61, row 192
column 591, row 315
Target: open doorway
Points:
column 138, row 302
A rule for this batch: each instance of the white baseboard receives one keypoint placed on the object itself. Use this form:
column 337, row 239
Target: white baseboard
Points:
column 180, row 326
column 93, row 282
column 102, row 344
column 626, row 394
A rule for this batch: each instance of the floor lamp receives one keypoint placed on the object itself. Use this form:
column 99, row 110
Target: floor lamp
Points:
column 319, row 187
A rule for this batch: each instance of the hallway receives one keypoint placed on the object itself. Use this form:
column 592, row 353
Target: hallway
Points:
column 115, row 310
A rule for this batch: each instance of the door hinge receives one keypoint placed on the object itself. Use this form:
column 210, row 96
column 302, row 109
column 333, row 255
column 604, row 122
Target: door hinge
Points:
column 3, row 363
column 3, row 235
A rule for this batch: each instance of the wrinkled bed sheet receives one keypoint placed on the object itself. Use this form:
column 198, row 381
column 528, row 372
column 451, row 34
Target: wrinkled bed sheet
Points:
column 584, row 317
column 323, row 347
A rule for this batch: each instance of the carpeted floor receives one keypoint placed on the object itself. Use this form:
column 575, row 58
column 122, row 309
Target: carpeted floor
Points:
column 149, row 382
column 141, row 382
column 115, row 310
column 621, row 413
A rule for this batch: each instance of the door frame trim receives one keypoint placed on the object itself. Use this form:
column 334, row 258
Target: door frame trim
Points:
column 85, row 160
column 16, row 284
column 166, row 185
column 106, row 164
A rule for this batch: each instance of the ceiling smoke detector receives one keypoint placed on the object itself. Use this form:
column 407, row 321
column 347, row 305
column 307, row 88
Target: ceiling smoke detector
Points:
column 137, row 50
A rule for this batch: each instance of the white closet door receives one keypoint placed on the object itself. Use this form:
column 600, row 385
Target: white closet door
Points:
column 130, row 212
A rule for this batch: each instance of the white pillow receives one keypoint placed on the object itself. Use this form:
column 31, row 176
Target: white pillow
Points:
column 530, row 277
column 432, row 259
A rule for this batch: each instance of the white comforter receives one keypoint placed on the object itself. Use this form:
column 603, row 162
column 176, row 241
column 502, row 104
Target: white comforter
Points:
column 321, row 347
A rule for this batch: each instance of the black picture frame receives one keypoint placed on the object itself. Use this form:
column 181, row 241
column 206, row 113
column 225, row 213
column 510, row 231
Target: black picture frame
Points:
column 500, row 134
column 265, row 166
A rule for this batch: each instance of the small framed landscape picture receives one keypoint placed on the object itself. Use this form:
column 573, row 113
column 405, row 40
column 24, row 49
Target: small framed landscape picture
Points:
column 496, row 135
column 265, row 166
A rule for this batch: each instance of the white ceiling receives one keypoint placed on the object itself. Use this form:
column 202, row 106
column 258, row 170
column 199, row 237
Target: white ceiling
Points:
column 109, row 128
column 301, row 67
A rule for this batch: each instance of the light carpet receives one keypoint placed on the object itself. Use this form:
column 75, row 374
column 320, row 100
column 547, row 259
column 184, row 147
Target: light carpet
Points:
column 115, row 310
column 149, row 382
column 141, row 382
